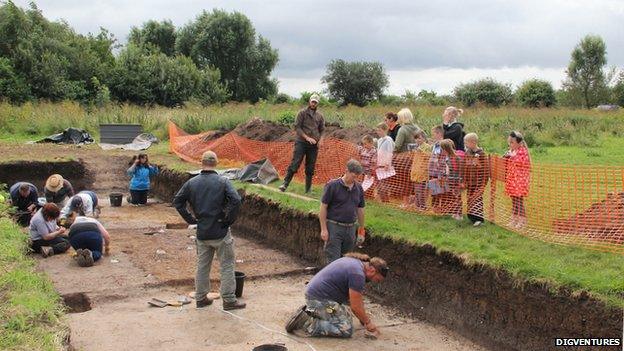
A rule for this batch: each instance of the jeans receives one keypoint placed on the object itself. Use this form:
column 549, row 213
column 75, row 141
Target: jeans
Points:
column 138, row 197
column 205, row 252
column 58, row 244
column 302, row 148
column 328, row 318
column 341, row 240
column 88, row 240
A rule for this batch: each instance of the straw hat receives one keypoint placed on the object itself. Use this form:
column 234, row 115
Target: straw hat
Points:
column 54, row 183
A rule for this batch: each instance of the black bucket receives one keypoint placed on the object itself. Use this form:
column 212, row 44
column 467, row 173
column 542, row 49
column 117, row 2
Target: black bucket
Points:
column 270, row 347
column 240, row 282
column 116, row 199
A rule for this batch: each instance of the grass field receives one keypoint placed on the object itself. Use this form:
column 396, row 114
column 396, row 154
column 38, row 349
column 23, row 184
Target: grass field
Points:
column 560, row 136
column 31, row 311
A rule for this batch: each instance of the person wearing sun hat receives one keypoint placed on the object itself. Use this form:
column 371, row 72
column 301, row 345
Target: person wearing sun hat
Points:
column 58, row 190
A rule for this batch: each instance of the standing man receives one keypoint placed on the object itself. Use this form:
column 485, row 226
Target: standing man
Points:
column 333, row 291
column 216, row 204
column 309, row 127
column 342, row 208
column 24, row 197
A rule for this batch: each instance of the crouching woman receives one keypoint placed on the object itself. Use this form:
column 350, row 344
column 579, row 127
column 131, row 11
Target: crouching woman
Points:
column 46, row 236
column 89, row 238
column 334, row 293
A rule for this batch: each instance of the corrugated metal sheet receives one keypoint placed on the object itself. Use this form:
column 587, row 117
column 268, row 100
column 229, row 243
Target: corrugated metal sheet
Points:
column 119, row 133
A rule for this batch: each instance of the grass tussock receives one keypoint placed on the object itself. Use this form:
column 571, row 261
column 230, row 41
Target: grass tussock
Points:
column 30, row 309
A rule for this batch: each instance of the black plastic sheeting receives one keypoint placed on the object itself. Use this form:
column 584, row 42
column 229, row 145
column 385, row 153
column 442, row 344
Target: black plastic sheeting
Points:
column 69, row 136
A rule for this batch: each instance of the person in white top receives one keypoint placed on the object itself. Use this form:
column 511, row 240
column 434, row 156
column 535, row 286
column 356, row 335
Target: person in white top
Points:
column 89, row 238
column 385, row 149
column 85, row 203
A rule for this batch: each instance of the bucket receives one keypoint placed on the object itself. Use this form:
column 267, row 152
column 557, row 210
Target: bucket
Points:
column 240, row 282
column 270, row 347
column 116, row 199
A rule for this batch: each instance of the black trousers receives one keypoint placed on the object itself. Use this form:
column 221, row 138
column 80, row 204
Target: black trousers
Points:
column 58, row 244
column 302, row 149
column 138, row 197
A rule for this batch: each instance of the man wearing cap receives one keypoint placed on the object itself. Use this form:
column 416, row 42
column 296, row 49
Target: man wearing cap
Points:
column 58, row 190
column 24, row 197
column 309, row 126
column 216, row 204
column 342, row 209
column 333, row 291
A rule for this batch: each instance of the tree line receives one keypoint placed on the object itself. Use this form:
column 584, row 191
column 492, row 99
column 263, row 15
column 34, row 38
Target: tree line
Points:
column 216, row 57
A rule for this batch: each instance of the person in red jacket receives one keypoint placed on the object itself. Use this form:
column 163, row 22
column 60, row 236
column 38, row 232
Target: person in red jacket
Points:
column 517, row 177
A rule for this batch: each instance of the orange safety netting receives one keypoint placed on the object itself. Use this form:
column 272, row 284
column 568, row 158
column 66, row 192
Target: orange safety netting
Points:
column 562, row 204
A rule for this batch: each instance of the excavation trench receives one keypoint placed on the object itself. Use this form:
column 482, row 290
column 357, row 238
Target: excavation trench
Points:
column 486, row 304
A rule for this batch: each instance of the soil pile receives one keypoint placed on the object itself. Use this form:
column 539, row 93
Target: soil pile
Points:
column 603, row 220
column 258, row 129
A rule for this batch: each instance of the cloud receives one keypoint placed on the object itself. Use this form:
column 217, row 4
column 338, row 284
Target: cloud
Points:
column 406, row 36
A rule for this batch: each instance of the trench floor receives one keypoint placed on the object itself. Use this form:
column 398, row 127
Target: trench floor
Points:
column 148, row 260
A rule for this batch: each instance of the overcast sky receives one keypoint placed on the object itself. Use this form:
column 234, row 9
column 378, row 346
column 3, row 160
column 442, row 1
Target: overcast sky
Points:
column 433, row 44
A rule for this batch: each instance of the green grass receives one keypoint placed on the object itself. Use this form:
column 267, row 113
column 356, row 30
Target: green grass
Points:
column 578, row 269
column 30, row 309
column 555, row 135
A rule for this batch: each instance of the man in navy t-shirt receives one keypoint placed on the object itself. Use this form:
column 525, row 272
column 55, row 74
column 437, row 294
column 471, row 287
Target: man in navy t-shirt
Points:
column 335, row 289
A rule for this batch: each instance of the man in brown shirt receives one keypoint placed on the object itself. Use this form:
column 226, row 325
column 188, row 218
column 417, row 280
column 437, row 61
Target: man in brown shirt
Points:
column 309, row 127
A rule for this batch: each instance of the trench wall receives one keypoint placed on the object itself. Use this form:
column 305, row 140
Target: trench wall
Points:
column 487, row 305
column 38, row 172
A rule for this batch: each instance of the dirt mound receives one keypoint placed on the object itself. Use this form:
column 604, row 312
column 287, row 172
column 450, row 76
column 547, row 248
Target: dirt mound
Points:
column 603, row 220
column 257, row 129
column 353, row 135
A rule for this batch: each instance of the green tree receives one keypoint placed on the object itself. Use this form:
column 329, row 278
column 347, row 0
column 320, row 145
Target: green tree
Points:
column 485, row 91
column 228, row 42
column 618, row 90
column 154, row 34
column 535, row 93
column 586, row 83
column 12, row 87
column 355, row 83
column 146, row 77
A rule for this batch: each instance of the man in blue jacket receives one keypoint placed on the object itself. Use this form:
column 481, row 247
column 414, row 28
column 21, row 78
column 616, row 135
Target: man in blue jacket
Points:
column 216, row 204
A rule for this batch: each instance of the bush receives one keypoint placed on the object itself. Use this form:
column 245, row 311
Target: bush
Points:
column 282, row 98
column 618, row 91
column 535, row 93
column 287, row 118
column 357, row 83
column 485, row 91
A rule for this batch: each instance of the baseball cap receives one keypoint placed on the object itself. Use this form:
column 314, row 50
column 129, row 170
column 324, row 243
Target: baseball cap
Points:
column 315, row 97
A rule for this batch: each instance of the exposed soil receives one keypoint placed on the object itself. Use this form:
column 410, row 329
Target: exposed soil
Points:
column 257, row 129
column 602, row 221
column 484, row 304
column 37, row 173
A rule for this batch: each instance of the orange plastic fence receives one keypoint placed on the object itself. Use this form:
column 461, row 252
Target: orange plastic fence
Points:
column 561, row 204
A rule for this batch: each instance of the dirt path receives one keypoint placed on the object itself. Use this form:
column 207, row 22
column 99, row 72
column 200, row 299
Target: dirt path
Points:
column 148, row 260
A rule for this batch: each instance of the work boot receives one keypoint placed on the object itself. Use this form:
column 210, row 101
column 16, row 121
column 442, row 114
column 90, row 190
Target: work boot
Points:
column 203, row 302
column 46, row 251
column 297, row 320
column 84, row 258
column 308, row 184
column 283, row 187
column 233, row 305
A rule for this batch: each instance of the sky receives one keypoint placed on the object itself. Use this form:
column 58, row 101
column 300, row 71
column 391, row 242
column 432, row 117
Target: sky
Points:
column 433, row 45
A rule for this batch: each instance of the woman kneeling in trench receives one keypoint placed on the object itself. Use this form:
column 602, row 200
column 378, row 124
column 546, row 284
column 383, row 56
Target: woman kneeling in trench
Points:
column 89, row 238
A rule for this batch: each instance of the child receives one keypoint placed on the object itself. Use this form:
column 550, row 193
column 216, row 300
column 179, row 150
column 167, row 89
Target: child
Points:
column 419, row 173
column 451, row 198
column 517, row 177
column 368, row 154
column 385, row 147
column 476, row 175
column 435, row 169
column 140, row 170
